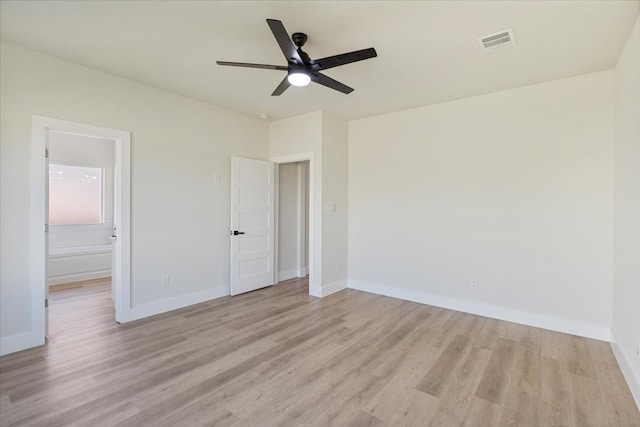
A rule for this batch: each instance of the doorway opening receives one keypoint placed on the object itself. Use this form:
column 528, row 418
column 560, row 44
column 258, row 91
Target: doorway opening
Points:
column 313, row 220
column 81, row 226
column 111, row 235
column 293, row 221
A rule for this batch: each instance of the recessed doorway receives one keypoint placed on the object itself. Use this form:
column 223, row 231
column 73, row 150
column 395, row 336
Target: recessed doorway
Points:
column 45, row 129
column 293, row 220
column 80, row 217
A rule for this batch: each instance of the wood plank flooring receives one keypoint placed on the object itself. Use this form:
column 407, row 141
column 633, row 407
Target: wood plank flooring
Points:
column 278, row 357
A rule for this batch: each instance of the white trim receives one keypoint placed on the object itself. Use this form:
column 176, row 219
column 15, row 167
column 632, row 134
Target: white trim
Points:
column 302, row 272
column 17, row 342
column 37, row 252
column 180, row 301
column 121, row 277
column 276, row 224
column 40, row 126
column 632, row 378
column 598, row 332
column 315, row 229
column 301, row 213
column 292, row 158
column 80, row 250
column 332, row 288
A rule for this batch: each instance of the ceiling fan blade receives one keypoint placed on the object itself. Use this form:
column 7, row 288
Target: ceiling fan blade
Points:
column 284, row 85
column 248, row 65
column 345, row 58
column 330, row 83
column 286, row 45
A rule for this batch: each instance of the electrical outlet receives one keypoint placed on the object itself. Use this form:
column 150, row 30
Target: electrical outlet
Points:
column 474, row 284
column 164, row 281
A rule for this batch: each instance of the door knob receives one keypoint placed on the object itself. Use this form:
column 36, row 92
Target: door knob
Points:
column 236, row 232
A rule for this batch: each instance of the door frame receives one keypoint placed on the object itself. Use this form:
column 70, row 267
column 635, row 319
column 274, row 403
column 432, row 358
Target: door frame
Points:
column 315, row 242
column 302, row 208
column 40, row 126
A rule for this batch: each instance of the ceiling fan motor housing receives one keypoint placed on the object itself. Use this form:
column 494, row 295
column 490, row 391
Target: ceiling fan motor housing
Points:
column 299, row 39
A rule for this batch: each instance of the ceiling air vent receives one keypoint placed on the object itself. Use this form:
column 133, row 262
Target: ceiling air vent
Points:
column 497, row 41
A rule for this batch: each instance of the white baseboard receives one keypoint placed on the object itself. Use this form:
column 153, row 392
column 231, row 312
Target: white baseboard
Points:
column 286, row 275
column 632, row 378
column 14, row 343
column 332, row 288
column 598, row 332
column 79, row 277
column 181, row 301
column 302, row 272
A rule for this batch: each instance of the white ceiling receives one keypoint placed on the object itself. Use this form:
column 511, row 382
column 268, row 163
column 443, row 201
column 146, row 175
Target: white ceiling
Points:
column 427, row 51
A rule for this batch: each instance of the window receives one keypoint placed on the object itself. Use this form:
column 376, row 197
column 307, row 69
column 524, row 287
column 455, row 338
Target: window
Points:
column 75, row 194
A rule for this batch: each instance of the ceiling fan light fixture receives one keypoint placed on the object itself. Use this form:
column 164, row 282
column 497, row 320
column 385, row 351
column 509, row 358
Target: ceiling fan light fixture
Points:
column 299, row 79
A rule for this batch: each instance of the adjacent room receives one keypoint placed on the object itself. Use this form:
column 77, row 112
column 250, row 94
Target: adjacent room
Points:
column 81, row 228
column 320, row 213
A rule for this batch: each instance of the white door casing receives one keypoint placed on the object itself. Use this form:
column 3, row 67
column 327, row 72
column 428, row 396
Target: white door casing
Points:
column 302, row 223
column 252, row 224
column 38, row 245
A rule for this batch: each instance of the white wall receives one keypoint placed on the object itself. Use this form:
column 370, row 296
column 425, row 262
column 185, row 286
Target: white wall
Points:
column 295, row 135
column 334, row 202
column 510, row 191
column 84, row 151
column 180, row 217
column 626, row 270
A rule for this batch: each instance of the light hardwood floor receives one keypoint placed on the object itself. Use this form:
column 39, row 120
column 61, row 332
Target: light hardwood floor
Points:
column 277, row 357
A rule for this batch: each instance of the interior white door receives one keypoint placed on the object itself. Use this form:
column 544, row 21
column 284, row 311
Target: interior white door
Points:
column 252, row 224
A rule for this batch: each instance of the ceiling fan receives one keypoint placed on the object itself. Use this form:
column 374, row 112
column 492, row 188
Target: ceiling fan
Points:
column 301, row 70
